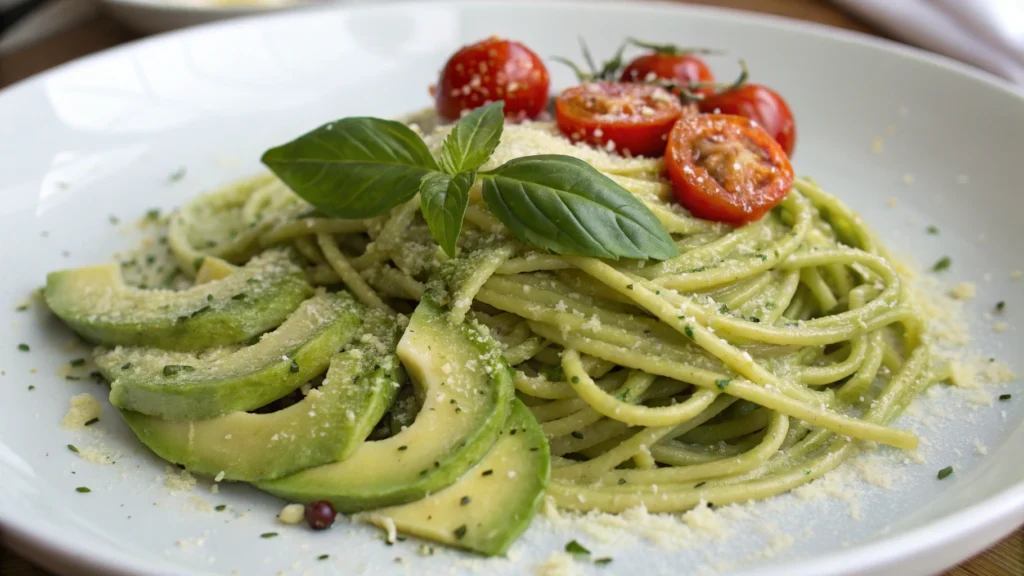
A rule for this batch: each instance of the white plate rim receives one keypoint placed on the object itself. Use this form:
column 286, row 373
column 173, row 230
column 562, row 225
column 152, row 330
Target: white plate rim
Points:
column 987, row 521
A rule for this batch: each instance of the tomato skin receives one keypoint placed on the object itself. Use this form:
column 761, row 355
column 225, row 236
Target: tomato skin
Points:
column 760, row 104
column 492, row 70
column 683, row 68
column 726, row 168
column 635, row 117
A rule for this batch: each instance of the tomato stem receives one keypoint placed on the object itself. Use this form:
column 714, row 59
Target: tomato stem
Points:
column 670, row 49
column 609, row 68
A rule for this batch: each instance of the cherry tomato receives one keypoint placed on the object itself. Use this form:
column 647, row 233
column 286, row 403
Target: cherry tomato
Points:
column 726, row 168
column 760, row 104
column 631, row 118
column 680, row 67
column 492, row 70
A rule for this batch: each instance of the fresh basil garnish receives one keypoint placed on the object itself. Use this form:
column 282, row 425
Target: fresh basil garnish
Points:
column 443, row 201
column 565, row 205
column 362, row 167
column 353, row 168
column 473, row 139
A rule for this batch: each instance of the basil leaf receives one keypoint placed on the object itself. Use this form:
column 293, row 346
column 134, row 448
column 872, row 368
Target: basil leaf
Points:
column 564, row 205
column 355, row 167
column 473, row 139
column 443, row 200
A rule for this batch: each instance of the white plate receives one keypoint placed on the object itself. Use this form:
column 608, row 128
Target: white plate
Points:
column 100, row 136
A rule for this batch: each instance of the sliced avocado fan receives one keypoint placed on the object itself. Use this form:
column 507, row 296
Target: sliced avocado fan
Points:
column 325, row 426
column 492, row 503
column 466, row 387
column 190, row 386
column 97, row 304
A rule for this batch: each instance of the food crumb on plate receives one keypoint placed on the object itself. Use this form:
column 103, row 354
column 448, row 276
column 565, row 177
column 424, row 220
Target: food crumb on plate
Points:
column 84, row 408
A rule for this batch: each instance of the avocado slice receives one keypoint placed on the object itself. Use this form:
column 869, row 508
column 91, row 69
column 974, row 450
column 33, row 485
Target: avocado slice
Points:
column 190, row 386
column 325, row 426
column 466, row 387
column 491, row 504
column 97, row 304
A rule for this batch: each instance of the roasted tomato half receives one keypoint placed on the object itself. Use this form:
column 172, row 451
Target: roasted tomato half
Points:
column 633, row 119
column 726, row 168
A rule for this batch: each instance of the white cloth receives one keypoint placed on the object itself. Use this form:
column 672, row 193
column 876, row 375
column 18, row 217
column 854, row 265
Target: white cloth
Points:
column 986, row 33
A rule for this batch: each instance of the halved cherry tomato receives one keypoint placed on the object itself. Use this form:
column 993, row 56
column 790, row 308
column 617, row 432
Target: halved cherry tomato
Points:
column 682, row 67
column 726, row 168
column 760, row 104
column 492, row 70
column 634, row 119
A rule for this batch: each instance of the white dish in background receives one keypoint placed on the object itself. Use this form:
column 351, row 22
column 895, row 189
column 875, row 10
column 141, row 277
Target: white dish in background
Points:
column 100, row 136
column 151, row 16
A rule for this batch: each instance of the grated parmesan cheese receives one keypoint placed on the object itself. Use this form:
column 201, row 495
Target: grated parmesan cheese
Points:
column 83, row 409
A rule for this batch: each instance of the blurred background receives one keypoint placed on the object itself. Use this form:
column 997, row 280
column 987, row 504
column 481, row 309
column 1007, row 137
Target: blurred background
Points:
column 38, row 34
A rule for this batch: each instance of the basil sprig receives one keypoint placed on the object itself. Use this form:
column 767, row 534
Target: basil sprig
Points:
column 363, row 167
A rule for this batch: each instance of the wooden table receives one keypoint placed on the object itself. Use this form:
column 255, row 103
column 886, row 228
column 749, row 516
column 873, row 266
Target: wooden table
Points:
column 1004, row 559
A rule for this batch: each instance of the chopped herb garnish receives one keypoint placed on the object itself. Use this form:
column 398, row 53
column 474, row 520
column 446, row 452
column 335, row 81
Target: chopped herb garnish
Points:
column 198, row 311
column 294, row 367
column 178, row 174
column 73, row 448
column 220, row 507
column 153, row 214
column 575, row 379
column 21, row 308
column 577, row 435
column 699, row 484
column 622, row 481
column 71, row 378
column 1005, row 397
column 574, row 547
column 723, row 309
column 755, row 319
column 460, row 532
column 126, row 365
column 402, row 448
column 23, row 347
column 688, row 331
column 487, row 472
column 769, row 305
column 933, row 230
column 762, row 257
column 268, row 535
column 175, row 369
column 239, row 296
column 603, row 561
column 464, row 500
column 1000, row 306
column 31, row 387
column 945, row 472
column 943, row 264
column 722, row 383
column 83, row 489
column 629, row 286
column 114, row 220
column 92, row 421
column 198, row 262
column 77, row 362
